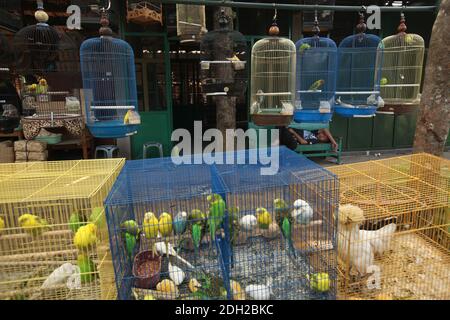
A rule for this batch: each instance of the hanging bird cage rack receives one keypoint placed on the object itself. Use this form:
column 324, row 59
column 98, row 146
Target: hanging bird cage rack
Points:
column 47, row 65
column 224, row 61
column 144, row 12
column 316, row 78
column 402, row 70
column 359, row 74
column 109, row 81
column 191, row 23
column 272, row 80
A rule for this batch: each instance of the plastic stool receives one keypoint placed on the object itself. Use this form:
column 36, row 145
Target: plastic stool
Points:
column 149, row 145
column 107, row 149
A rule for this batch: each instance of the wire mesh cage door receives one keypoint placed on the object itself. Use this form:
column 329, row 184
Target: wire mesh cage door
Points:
column 144, row 12
column 191, row 22
column 109, row 81
column 402, row 68
column 224, row 61
column 272, row 80
column 47, row 64
column 316, row 79
column 359, row 74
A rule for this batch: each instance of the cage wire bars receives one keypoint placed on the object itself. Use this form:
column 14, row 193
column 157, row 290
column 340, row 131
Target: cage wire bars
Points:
column 218, row 225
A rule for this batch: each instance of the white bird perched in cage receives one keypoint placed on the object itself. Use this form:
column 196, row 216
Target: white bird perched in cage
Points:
column 260, row 291
column 372, row 100
column 361, row 245
column 255, row 108
column 302, row 212
column 248, row 222
column 350, row 245
column 380, row 239
column 287, row 108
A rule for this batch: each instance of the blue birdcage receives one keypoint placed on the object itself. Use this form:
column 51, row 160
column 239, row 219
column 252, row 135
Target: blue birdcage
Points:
column 236, row 255
column 316, row 78
column 359, row 74
column 109, row 82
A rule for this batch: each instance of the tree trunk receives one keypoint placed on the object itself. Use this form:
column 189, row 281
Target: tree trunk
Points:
column 225, row 105
column 433, row 122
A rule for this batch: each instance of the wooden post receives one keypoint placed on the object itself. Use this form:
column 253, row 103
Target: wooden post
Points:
column 225, row 105
column 433, row 122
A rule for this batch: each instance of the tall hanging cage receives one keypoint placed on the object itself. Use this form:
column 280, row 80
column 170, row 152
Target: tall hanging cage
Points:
column 272, row 80
column 359, row 74
column 402, row 70
column 109, row 81
column 224, row 61
column 48, row 70
column 191, row 23
column 316, row 78
column 144, row 12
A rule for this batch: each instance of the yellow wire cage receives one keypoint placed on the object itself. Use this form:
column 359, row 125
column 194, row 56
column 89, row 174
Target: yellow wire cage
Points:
column 54, row 240
column 394, row 228
column 402, row 67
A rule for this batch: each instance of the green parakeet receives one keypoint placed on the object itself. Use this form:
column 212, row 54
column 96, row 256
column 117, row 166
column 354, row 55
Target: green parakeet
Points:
column 196, row 235
column 281, row 209
column 304, row 47
column 317, row 85
column 233, row 223
column 97, row 217
column 287, row 233
column 76, row 221
column 130, row 244
column 131, row 227
column 216, row 213
column 87, row 268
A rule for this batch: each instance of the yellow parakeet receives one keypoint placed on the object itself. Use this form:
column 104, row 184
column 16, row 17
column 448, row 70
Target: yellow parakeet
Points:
column 263, row 217
column 234, row 58
column 126, row 119
column 86, row 236
column 150, row 225
column 165, row 224
column 33, row 224
column 2, row 224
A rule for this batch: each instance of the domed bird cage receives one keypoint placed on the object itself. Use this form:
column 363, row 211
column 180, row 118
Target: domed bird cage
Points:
column 109, row 81
column 272, row 80
column 144, row 12
column 359, row 74
column 224, row 61
column 402, row 70
column 316, row 78
column 191, row 22
column 47, row 65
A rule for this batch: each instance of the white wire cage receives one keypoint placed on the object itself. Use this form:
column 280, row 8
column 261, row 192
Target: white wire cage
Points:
column 272, row 81
column 402, row 67
column 191, row 23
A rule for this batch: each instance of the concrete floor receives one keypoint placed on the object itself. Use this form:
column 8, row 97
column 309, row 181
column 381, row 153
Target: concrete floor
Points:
column 352, row 157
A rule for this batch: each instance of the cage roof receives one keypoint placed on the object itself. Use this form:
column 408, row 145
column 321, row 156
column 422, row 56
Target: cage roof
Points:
column 54, row 180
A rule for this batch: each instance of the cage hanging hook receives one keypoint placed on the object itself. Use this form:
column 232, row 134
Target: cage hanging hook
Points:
column 275, row 14
column 40, row 4
column 107, row 7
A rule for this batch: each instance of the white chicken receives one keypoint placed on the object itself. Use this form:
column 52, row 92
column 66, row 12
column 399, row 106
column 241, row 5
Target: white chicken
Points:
column 359, row 247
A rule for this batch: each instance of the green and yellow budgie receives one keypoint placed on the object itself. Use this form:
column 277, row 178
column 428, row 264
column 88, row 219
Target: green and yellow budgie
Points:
column 216, row 214
column 86, row 237
column 316, row 85
column 32, row 224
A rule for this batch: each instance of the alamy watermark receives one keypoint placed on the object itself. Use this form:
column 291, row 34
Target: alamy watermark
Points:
column 211, row 147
